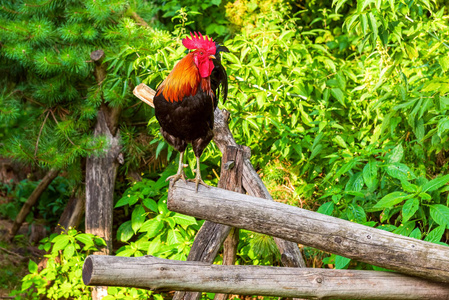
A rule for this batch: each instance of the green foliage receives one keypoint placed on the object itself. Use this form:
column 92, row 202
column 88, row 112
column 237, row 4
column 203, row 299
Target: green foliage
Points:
column 61, row 278
column 153, row 229
column 49, row 207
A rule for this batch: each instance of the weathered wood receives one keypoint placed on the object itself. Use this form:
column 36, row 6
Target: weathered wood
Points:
column 73, row 212
column 253, row 185
column 144, row 93
column 164, row 275
column 229, row 255
column 101, row 170
column 31, row 201
column 352, row 240
column 211, row 236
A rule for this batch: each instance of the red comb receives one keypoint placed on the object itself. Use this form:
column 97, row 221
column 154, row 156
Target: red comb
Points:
column 199, row 42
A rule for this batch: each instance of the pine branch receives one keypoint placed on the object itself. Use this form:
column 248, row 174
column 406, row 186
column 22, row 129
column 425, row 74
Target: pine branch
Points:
column 139, row 20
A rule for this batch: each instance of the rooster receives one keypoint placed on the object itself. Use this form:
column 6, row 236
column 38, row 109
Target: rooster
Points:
column 185, row 101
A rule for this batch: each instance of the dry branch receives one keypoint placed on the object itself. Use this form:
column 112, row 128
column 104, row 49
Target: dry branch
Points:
column 352, row 240
column 164, row 275
column 31, row 201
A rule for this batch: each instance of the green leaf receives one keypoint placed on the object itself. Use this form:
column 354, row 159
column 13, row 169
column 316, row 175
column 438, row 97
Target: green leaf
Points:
column 174, row 237
column 443, row 126
column 326, row 208
column 60, row 242
column 370, row 174
column 32, row 266
column 125, row 232
column 85, row 238
column 151, row 204
column 184, row 220
column 338, row 94
column 406, row 228
column 69, row 251
column 435, row 235
column 440, row 214
column 397, row 154
column 400, row 171
column 409, row 209
column 392, row 199
column 137, row 217
column 435, row 183
column 416, row 234
column 341, row 262
column 123, row 201
column 152, row 227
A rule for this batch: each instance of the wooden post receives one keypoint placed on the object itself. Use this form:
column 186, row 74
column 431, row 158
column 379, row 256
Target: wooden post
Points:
column 73, row 211
column 253, row 185
column 31, row 201
column 164, row 275
column 101, row 171
column 211, row 235
column 352, row 240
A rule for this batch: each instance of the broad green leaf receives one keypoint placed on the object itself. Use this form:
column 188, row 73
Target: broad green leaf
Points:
column 340, row 141
column 174, row 237
column 440, row 214
column 123, row 201
column 347, row 167
column 392, row 199
column 184, row 220
column 370, row 174
column 338, row 94
column 326, row 208
column 435, row 235
column 356, row 213
column 152, row 227
column 416, row 234
column 400, row 171
column 397, row 154
column 125, row 232
column 85, row 238
column 60, row 242
column 406, row 228
column 355, row 183
column 409, row 209
column 409, row 187
column 32, row 266
column 341, row 262
column 69, row 250
column 435, row 183
column 137, row 217
column 443, row 126
column 151, row 204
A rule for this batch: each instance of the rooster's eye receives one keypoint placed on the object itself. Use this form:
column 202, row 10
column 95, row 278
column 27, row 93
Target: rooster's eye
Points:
column 201, row 53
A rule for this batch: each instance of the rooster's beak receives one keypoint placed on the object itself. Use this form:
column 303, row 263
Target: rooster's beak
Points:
column 212, row 57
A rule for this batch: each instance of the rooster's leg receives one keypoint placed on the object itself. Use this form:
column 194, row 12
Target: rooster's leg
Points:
column 180, row 173
column 198, row 180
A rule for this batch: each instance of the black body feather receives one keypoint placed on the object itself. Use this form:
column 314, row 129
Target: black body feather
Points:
column 192, row 119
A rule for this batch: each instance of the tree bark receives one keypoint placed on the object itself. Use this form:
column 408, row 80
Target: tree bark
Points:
column 352, row 240
column 212, row 235
column 164, row 275
column 31, row 201
column 101, row 171
column 73, row 212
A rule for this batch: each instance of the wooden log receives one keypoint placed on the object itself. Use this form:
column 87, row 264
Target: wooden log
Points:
column 164, row 275
column 144, row 93
column 210, row 237
column 352, row 240
column 31, row 201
